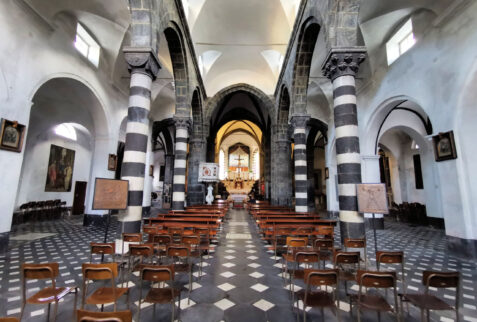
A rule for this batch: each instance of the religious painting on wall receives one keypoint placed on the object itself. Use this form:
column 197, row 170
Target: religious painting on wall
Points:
column 11, row 135
column 60, row 169
column 444, row 146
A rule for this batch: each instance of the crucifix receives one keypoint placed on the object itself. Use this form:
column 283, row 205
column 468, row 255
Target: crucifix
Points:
column 239, row 159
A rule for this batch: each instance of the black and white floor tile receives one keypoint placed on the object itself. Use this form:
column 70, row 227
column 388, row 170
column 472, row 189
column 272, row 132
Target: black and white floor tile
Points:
column 241, row 280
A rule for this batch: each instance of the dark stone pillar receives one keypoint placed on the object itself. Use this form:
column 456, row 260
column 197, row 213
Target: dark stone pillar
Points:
column 144, row 66
column 195, row 189
column 281, row 166
column 341, row 67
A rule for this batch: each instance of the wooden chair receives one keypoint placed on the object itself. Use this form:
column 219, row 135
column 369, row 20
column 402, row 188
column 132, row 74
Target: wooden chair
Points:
column 159, row 295
column 102, row 295
column 127, row 239
column 47, row 295
column 357, row 243
column 90, row 316
column 347, row 263
column 320, row 298
column 194, row 241
column 139, row 255
column 292, row 243
column 376, row 302
column 308, row 259
column 427, row 302
column 280, row 234
column 325, row 247
column 9, row 320
column 392, row 257
column 325, row 231
column 179, row 256
column 204, row 235
column 161, row 241
column 102, row 249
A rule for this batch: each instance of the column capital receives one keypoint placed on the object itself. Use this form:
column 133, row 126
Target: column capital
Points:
column 343, row 61
column 143, row 60
column 182, row 122
column 299, row 120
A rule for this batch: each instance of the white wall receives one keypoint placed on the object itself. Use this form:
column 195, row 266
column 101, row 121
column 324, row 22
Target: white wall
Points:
column 31, row 53
column 35, row 166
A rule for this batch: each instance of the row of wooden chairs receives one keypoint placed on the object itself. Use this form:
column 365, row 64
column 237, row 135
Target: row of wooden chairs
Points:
column 39, row 210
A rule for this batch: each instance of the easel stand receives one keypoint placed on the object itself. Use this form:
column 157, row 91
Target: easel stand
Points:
column 106, row 230
column 375, row 238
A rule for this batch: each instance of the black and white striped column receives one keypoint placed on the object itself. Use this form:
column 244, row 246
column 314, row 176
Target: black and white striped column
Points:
column 299, row 152
column 180, row 162
column 144, row 67
column 341, row 68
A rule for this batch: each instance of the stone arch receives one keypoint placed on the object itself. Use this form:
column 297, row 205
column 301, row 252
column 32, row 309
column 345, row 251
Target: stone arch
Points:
column 220, row 97
column 283, row 106
column 301, row 70
column 177, row 50
column 196, row 106
column 373, row 128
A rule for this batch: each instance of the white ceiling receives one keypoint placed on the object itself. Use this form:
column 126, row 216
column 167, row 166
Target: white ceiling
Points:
column 240, row 41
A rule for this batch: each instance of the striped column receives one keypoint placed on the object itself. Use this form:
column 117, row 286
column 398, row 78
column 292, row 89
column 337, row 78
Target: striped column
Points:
column 299, row 152
column 144, row 67
column 180, row 163
column 342, row 68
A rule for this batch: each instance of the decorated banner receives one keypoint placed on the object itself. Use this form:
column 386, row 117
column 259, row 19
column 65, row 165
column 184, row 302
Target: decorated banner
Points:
column 208, row 172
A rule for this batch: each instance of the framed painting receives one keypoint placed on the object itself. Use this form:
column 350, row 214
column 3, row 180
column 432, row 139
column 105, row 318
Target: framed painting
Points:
column 110, row 194
column 112, row 162
column 444, row 146
column 11, row 135
column 60, row 169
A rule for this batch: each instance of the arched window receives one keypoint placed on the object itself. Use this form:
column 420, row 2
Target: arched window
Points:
column 66, row 130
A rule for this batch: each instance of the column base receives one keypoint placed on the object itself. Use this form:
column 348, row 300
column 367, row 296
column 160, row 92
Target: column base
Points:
column 4, row 238
column 146, row 211
column 195, row 195
column 178, row 205
column 95, row 220
column 378, row 223
column 351, row 230
column 466, row 248
column 130, row 226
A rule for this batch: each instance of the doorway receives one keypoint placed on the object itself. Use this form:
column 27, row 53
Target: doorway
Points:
column 79, row 197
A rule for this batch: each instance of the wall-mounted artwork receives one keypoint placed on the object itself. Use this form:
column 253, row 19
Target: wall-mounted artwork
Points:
column 444, row 146
column 60, row 169
column 11, row 135
column 112, row 162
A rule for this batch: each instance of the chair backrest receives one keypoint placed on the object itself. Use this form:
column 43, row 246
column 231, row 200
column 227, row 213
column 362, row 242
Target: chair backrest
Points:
column 155, row 273
column 178, row 250
column 132, row 237
column 100, row 271
column 317, row 277
column 307, row 257
column 355, row 243
column 93, row 316
column 191, row 240
column 103, row 248
column 440, row 279
column 40, row 271
column 376, row 279
column 9, row 320
column 388, row 257
column 146, row 250
column 297, row 241
column 162, row 239
column 324, row 243
column 150, row 229
column 341, row 257
column 175, row 230
column 325, row 231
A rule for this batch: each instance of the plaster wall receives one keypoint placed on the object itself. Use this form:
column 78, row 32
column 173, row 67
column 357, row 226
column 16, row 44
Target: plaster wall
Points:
column 35, row 166
column 433, row 74
column 30, row 56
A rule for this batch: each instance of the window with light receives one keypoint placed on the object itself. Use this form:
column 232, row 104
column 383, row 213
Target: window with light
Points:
column 400, row 42
column 86, row 45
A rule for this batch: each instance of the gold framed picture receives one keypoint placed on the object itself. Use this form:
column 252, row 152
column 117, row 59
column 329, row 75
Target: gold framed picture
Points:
column 444, row 146
column 11, row 135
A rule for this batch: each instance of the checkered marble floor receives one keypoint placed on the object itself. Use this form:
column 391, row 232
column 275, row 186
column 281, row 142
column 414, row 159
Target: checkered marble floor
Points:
column 241, row 279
